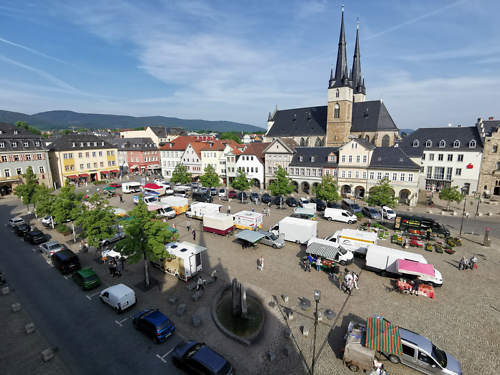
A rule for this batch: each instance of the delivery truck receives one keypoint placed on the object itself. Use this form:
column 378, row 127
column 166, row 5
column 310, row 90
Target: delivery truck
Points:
column 421, row 223
column 218, row 223
column 184, row 261
column 199, row 209
column 179, row 204
column 169, row 211
column 131, row 187
column 330, row 251
column 162, row 211
column 148, row 199
column 295, row 230
column 384, row 260
column 353, row 240
column 247, row 220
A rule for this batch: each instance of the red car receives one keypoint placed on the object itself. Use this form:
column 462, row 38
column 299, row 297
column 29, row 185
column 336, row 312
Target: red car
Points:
column 231, row 194
column 115, row 185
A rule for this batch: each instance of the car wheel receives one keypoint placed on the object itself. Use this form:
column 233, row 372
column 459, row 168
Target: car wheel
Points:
column 135, row 325
column 117, row 310
column 342, row 263
column 101, row 299
column 354, row 368
column 178, row 277
column 156, row 341
column 275, row 247
column 393, row 358
column 350, row 222
column 329, row 219
column 176, row 362
column 383, row 273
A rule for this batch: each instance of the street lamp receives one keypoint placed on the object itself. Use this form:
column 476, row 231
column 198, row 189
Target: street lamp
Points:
column 317, row 297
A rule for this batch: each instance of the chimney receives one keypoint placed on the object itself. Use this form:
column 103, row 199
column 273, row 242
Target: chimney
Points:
column 491, row 118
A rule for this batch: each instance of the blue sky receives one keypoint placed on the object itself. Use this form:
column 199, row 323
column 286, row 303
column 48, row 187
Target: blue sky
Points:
column 432, row 62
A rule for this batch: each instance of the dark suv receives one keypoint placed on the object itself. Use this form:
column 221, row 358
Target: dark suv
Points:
column 198, row 358
column 291, row 202
column 21, row 229
column 154, row 325
column 35, row 236
column 266, row 198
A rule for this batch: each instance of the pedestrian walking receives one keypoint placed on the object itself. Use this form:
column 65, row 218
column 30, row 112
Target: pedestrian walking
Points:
column 341, row 281
column 121, row 199
column 122, row 261
column 269, row 211
column 466, row 263
column 355, row 279
column 188, row 224
column 214, row 275
column 118, row 269
column 194, row 235
column 318, row 264
column 228, row 210
column 429, row 231
column 85, row 247
column 81, row 245
column 461, row 265
column 111, row 267
column 473, row 261
column 261, row 262
column 416, row 284
column 348, row 283
column 199, row 284
column 264, row 211
column 307, row 265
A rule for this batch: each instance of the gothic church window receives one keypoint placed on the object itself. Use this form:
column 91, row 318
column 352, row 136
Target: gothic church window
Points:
column 367, row 138
column 385, row 141
column 302, row 142
column 495, row 148
column 336, row 112
column 318, row 142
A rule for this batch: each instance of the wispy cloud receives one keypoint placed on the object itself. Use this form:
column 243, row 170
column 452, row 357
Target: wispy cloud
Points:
column 33, row 51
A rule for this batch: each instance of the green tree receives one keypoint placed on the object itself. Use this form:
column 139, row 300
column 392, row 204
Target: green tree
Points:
column 66, row 131
column 382, row 195
column 282, row 184
column 66, row 206
column 44, row 200
column 24, row 125
column 145, row 237
column 97, row 220
column 451, row 194
column 45, row 135
column 327, row 189
column 82, row 130
column 180, row 175
column 231, row 135
column 210, row 178
column 27, row 190
column 241, row 182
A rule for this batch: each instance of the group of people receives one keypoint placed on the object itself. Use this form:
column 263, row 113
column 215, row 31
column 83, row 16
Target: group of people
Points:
column 116, row 266
column 83, row 246
column 309, row 261
column 188, row 225
column 348, row 281
column 467, row 263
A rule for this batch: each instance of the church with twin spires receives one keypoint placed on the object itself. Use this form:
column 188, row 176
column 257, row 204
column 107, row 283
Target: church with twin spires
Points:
column 348, row 115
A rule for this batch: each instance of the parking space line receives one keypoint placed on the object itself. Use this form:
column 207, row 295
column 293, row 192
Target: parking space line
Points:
column 49, row 262
column 120, row 323
column 170, row 351
column 66, row 277
column 90, row 297
column 161, row 358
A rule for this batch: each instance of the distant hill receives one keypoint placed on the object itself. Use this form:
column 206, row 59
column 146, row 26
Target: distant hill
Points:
column 65, row 119
column 407, row 131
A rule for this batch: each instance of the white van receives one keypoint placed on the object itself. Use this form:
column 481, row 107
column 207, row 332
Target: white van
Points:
column 338, row 214
column 295, row 230
column 131, row 187
column 119, row 297
column 353, row 240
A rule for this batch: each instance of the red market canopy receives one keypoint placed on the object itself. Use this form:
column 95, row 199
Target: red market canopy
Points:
column 84, row 175
column 152, row 186
column 115, row 171
column 105, row 172
column 415, row 268
column 383, row 336
column 73, row 177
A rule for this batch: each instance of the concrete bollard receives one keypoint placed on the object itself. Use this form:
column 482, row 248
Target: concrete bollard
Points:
column 305, row 331
column 5, row 290
column 47, row 354
column 290, row 314
column 288, row 333
column 173, row 300
column 285, row 297
column 196, row 321
column 180, row 310
column 287, row 350
column 30, row 328
column 16, row 307
column 320, row 316
column 272, row 356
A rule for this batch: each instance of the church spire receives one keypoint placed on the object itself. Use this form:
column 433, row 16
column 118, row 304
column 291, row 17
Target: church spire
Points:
column 341, row 72
column 357, row 80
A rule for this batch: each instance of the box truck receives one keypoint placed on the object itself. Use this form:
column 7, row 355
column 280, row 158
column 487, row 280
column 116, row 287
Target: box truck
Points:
column 247, row 220
column 353, row 240
column 198, row 209
column 218, row 223
column 295, row 230
column 184, row 261
column 328, row 250
column 385, row 261
column 179, row 204
column 131, row 187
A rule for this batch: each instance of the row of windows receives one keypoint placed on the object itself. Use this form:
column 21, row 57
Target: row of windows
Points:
column 441, row 157
column 439, row 173
column 277, row 157
column 394, row 176
column 194, row 161
column 442, row 143
column 27, row 157
column 249, row 169
column 197, row 169
column 170, row 164
column 82, row 144
column 350, row 158
column 89, row 165
column 87, row 154
column 19, row 171
column 170, row 154
column 14, row 143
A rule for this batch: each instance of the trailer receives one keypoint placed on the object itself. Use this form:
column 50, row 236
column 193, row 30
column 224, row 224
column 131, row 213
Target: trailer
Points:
column 184, row 261
column 131, row 187
column 200, row 209
column 247, row 220
column 295, row 230
column 218, row 223
column 179, row 204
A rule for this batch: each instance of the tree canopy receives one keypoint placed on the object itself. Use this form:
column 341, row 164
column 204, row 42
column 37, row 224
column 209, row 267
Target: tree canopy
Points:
column 382, row 195
column 282, row 184
column 66, row 205
column 231, row 135
column 146, row 238
column 210, row 178
column 180, row 175
column 451, row 194
column 327, row 189
column 31, row 129
column 27, row 190
column 241, row 182
column 44, row 200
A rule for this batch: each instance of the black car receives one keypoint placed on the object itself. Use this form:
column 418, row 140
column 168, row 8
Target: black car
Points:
column 333, row 205
column 242, row 194
column 278, row 201
column 320, row 205
column 291, row 201
column 301, row 216
column 21, row 229
column 254, row 197
column 266, row 198
column 35, row 236
column 197, row 358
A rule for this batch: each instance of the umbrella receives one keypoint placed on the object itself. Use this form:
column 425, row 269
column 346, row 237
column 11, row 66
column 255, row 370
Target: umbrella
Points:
column 109, row 188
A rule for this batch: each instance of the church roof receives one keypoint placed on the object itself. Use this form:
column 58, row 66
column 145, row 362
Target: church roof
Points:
column 371, row 116
column 391, row 158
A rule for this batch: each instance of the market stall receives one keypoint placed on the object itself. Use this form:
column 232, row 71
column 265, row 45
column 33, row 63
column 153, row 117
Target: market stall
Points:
column 416, row 269
column 249, row 237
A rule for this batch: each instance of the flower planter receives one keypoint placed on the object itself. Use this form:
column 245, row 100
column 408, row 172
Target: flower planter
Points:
column 66, row 233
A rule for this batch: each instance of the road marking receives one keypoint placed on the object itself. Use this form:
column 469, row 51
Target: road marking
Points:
column 120, row 323
column 170, row 351
column 90, row 297
column 49, row 262
column 33, row 249
column 161, row 358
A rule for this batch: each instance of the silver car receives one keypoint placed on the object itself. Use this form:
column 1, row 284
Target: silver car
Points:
column 16, row 221
column 271, row 239
column 51, row 247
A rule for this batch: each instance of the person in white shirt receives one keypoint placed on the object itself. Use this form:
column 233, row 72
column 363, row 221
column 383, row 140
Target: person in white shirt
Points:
column 261, row 262
column 355, row 279
column 348, row 282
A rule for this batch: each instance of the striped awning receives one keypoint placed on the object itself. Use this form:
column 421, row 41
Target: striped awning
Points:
column 323, row 250
column 383, row 336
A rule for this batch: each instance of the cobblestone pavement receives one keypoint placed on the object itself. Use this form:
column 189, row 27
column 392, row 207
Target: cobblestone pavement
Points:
column 463, row 319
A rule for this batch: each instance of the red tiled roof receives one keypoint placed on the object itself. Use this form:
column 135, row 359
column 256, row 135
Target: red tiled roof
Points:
column 256, row 149
column 198, row 146
column 179, row 143
column 220, row 145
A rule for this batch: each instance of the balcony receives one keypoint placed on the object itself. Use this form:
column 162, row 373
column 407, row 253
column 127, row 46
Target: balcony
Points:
column 9, row 179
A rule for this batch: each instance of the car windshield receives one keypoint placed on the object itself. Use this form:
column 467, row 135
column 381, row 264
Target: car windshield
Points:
column 168, row 209
column 390, row 211
column 273, row 237
column 305, row 201
column 164, row 325
column 355, row 206
column 373, row 211
column 222, row 191
column 91, row 277
column 192, row 351
column 224, row 369
column 439, row 355
column 342, row 251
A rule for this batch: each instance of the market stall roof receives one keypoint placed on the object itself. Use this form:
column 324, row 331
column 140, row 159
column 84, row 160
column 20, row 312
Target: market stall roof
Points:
column 72, row 176
column 105, row 172
column 383, row 336
column 152, row 186
column 415, row 268
column 115, row 171
column 323, row 248
column 84, row 175
column 109, row 188
column 250, row 236
column 119, row 211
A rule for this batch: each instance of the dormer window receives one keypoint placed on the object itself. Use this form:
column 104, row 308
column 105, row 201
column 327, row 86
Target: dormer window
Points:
column 95, row 144
column 73, row 144
column 472, row 144
column 81, row 144
column 26, row 144
column 2, row 144
column 16, row 132
column 415, row 143
column 301, row 158
column 313, row 159
column 401, row 159
column 88, row 144
column 456, row 144
column 14, row 144
column 171, row 145
column 37, row 144
column 428, row 143
column 442, row 143
column 102, row 143
column 379, row 159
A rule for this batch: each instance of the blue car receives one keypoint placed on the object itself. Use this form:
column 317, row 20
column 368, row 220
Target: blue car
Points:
column 154, row 324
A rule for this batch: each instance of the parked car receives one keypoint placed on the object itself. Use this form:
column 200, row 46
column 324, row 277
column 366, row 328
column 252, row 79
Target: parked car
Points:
column 303, row 201
column 291, row 202
column 222, row 193
column 350, row 205
column 21, row 229
column 47, row 221
column 301, row 216
column 333, row 205
column 115, row 185
column 117, row 237
column 320, row 205
column 154, row 325
column 203, row 190
column 119, row 297
column 51, row 247
column 231, row 194
column 213, row 191
column 279, row 200
column 371, row 212
column 271, row 239
column 242, row 195
column 254, row 196
column 16, row 221
column 387, row 212
column 35, row 236
column 266, row 198
column 198, row 358
column 65, row 261
column 86, row 278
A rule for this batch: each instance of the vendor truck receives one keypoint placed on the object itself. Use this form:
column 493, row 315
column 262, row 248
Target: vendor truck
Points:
column 330, row 251
column 295, row 230
column 148, row 199
column 407, row 222
column 198, row 210
column 131, row 187
column 353, row 240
